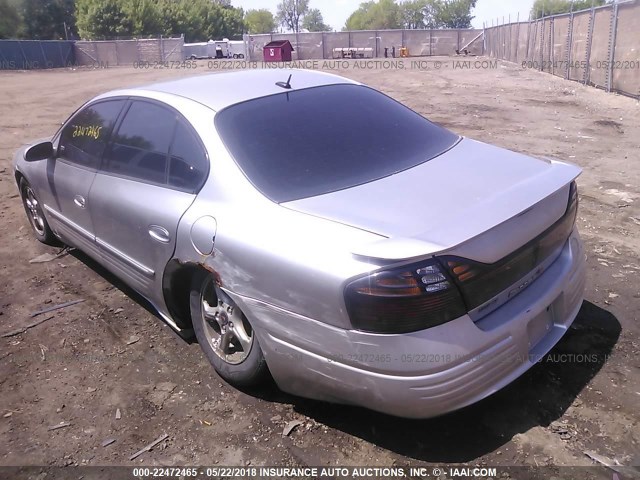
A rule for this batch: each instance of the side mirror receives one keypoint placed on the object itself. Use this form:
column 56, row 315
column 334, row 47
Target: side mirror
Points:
column 39, row 151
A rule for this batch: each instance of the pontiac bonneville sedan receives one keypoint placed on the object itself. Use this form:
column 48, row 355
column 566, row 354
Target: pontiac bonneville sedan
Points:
column 315, row 231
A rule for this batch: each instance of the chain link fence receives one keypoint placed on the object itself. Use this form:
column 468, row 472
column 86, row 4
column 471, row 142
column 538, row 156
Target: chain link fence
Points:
column 128, row 52
column 378, row 43
column 38, row 54
column 597, row 46
column 35, row 54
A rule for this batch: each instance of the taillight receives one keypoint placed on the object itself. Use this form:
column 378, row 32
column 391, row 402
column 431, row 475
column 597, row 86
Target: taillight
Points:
column 431, row 293
column 572, row 206
column 403, row 300
column 479, row 282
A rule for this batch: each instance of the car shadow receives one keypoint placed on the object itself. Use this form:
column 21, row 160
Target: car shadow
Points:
column 186, row 335
column 539, row 397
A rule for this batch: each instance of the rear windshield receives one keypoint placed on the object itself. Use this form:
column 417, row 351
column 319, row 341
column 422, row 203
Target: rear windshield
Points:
column 313, row 141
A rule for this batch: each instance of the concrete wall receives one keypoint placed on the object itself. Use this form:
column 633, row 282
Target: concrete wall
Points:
column 256, row 44
column 312, row 46
column 335, row 40
column 598, row 46
column 417, row 41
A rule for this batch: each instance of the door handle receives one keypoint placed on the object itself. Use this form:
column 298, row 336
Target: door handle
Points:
column 79, row 201
column 159, row 233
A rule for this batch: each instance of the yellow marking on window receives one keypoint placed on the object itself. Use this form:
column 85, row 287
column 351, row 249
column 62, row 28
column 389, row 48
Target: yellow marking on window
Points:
column 91, row 131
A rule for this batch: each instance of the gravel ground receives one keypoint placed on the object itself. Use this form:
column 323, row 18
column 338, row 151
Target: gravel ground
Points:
column 113, row 371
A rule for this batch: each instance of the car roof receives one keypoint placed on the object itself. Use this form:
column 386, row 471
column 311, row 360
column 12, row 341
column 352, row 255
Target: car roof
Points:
column 220, row 90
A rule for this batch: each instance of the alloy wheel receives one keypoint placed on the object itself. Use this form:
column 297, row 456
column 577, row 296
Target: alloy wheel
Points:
column 228, row 331
column 35, row 213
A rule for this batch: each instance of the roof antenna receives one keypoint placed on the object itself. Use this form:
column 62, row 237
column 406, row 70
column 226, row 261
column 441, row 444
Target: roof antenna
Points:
column 286, row 85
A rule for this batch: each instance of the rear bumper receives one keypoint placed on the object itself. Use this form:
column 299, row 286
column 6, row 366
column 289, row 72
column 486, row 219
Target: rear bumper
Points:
column 426, row 373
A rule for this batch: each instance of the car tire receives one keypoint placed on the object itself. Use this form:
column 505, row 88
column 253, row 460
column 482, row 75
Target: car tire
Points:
column 35, row 214
column 225, row 335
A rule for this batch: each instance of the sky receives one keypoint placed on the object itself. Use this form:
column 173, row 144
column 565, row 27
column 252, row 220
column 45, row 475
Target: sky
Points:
column 336, row 12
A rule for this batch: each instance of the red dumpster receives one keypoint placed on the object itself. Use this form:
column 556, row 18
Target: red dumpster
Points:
column 278, row 51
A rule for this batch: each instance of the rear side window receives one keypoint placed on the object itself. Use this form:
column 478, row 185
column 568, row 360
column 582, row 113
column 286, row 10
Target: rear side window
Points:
column 189, row 164
column 309, row 142
column 140, row 147
column 83, row 139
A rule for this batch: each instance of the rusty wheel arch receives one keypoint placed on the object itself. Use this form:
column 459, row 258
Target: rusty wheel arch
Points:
column 176, row 289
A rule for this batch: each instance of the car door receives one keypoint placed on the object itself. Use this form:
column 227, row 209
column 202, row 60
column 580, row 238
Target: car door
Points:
column 151, row 172
column 80, row 146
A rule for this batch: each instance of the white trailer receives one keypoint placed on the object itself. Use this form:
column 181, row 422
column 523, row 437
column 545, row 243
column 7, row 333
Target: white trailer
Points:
column 199, row 50
column 237, row 48
column 215, row 49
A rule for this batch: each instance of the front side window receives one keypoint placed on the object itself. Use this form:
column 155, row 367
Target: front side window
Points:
column 140, row 147
column 83, row 139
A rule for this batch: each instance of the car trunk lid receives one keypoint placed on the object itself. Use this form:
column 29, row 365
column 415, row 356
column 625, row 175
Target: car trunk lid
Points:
column 453, row 200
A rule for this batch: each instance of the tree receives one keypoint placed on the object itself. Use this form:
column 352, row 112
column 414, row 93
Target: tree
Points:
column 372, row 15
column 553, row 7
column 360, row 18
column 412, row 13
column 221, row 21
column 9, row 20
column 143, row 17
column 454, row 13
column 101, row 19
column 198, row 20
column 46, row 19
column 290, row 12
column 418, row 14
column 232, row 23
column 181, row 17
column 314, row 22
column 259, row 21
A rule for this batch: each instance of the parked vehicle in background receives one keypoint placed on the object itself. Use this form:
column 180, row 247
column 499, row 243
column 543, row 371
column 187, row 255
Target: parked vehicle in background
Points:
column 309, row 227
column 215, row 49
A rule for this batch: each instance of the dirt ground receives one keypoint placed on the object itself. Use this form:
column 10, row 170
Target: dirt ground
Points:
column 82, row 368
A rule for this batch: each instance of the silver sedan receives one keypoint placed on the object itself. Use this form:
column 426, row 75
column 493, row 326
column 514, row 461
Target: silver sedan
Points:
column 313, row 230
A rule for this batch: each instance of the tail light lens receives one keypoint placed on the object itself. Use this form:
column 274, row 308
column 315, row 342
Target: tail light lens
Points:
column 403, row 300
column 479, row 282
column 572, row 207
column 424, row 295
